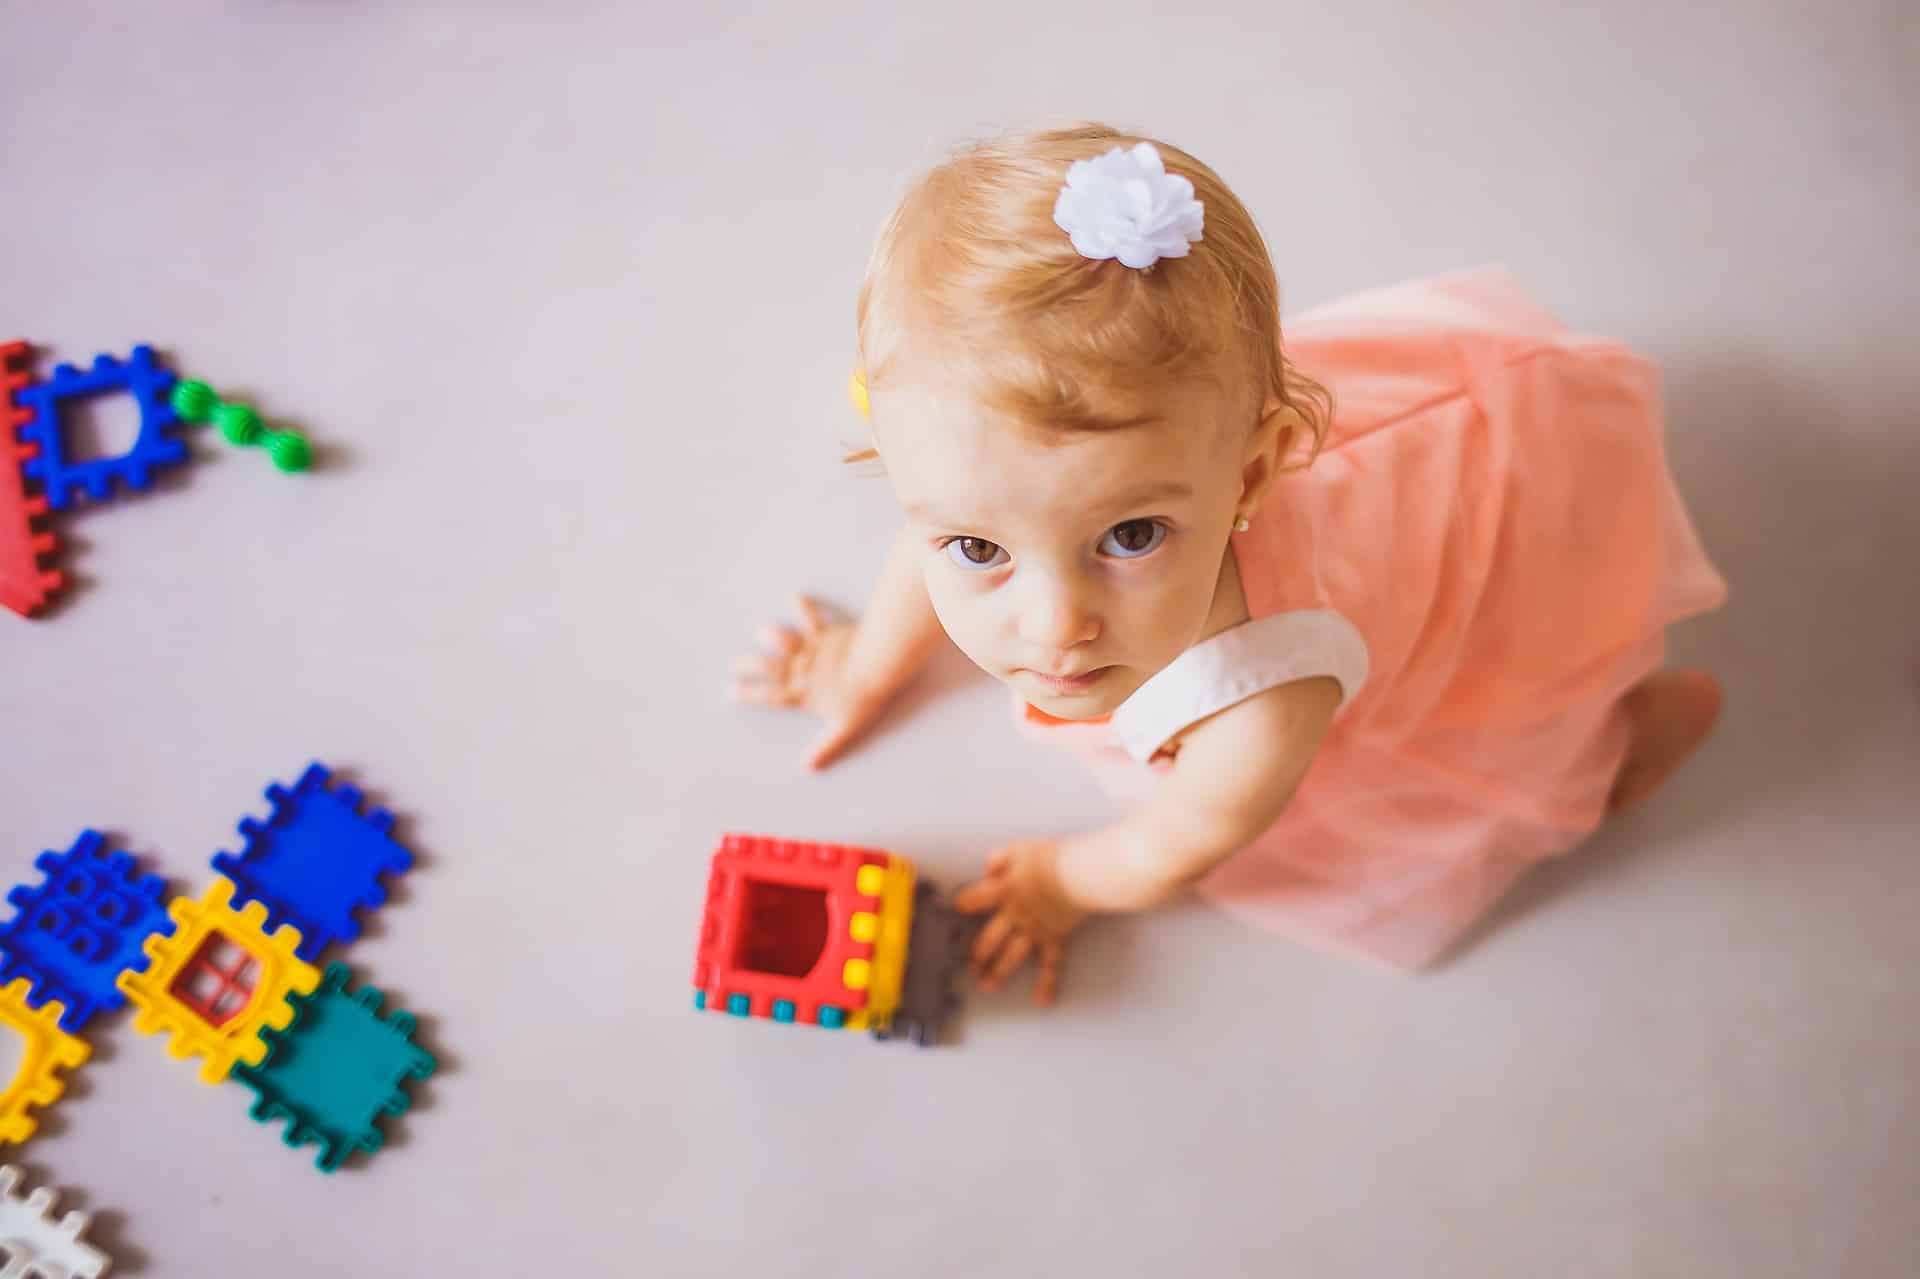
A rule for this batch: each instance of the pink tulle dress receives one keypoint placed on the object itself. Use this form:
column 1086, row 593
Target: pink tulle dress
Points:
column 1486, row 554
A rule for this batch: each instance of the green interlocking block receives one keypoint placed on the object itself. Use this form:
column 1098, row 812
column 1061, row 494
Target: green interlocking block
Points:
column 336, row 1068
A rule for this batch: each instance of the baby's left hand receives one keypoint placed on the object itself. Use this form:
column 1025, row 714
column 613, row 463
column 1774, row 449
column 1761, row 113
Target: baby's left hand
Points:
column 1031, row 915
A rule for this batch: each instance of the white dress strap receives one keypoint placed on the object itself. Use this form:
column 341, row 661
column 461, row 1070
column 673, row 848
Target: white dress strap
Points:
column 1232, row 666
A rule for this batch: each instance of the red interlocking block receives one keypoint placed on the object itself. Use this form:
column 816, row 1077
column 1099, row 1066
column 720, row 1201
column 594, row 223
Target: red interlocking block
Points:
column 25, row 543
column 777, row 933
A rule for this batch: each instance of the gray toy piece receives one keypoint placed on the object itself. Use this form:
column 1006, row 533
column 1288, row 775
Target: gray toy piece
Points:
column 936, row 956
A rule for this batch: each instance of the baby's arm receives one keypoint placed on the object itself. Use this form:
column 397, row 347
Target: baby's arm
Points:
column 846, row 672
column 1233, row 775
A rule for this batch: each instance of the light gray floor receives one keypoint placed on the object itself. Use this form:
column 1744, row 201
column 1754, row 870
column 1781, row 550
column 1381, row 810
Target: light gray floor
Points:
column 565, row 293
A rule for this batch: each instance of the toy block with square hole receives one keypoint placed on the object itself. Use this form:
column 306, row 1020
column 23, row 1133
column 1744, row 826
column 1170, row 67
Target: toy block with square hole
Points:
column 60, row 473
column 217, row 981
column 85, row 923
column 45, row 1052
column 26, row 544
column 316, row 860
column 336, row 1069
column 789, row 930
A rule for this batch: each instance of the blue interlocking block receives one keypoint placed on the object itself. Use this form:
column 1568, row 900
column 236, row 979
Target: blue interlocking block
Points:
column 140, row 376
column 315, row 861
column 75, row 933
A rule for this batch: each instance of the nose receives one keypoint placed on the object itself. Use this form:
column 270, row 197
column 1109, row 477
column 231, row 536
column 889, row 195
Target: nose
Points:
column 1054, row 619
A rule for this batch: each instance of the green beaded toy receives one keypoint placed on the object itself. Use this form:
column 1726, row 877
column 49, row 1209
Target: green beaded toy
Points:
column 199, row 403
column 194, row 401
column 289, row 451
column 239, row 423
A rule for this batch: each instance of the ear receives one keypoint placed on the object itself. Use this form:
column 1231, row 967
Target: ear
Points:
column 1266, row 445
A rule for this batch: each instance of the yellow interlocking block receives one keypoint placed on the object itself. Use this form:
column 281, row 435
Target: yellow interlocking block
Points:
column 278, row 973
column 46, row 1051
column 888, row 970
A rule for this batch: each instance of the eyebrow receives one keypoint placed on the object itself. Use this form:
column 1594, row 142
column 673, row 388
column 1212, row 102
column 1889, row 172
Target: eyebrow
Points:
column 1165, row 491
column 922, row 511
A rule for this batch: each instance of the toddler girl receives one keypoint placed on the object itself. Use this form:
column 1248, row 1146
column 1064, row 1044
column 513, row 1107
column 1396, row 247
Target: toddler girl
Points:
column 1371, row 620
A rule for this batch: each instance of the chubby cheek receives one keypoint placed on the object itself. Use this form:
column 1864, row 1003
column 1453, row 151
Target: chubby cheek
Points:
column 967, row 621
column 1160, row 625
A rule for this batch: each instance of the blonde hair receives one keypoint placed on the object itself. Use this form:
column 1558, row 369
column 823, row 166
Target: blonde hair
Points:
column 972, row 265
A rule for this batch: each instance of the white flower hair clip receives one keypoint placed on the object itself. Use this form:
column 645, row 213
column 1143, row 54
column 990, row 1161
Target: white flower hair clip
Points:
column 1126, row 205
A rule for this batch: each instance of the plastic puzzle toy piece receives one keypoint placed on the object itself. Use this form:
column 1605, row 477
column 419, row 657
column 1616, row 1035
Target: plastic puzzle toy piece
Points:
column 240, row 425
column 45, row 1052
column 33, row 1244
column 336, row 1069
column 194, row 401
column 930, row 992
column 213, row 1006
column 26, row 544
column 289, row 450
column 890, row 931
column 81, row 927
column 778, row 928
column 140, row 376
column 219, row 981
column 316, row 861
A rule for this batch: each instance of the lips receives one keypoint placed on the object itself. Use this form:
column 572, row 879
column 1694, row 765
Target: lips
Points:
column 1071, row 684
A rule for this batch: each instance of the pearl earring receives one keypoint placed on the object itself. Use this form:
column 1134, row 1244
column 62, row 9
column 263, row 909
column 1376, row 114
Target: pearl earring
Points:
column 1241, row 525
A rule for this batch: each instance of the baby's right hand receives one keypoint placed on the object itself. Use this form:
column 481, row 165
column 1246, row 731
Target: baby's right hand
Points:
column 811, row 668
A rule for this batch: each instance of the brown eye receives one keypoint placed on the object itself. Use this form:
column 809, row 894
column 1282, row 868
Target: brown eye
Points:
column 1130, row 539
column 974, row 552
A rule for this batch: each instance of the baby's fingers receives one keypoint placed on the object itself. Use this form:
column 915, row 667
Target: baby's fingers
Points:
column 981, row 896
column 759, row 693
column 988, row 943
column 761, row 681
column 1012, row 955
column 833, row 743
column 812, row 616
column 781, row 641
column 1047, row 987
column 759, row 666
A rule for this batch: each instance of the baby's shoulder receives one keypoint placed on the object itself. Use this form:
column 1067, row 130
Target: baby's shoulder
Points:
column 1234, row 681
column 1266, row 725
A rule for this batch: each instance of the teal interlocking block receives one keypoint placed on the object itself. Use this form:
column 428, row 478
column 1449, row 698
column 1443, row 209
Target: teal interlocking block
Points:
column 336, row 1069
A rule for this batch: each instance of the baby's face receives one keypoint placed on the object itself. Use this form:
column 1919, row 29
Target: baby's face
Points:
column 1072, row 567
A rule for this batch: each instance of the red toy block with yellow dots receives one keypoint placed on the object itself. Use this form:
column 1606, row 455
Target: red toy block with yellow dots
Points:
column 804, row 932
